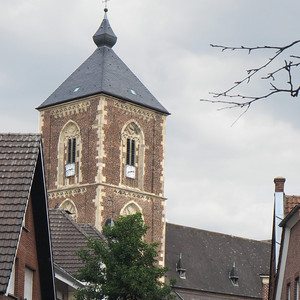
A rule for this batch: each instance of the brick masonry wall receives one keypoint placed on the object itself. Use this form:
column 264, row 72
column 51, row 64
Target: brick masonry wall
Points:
column 292, row 270
column 52, row 122
column 265, row 291
column 103, row 189
column 27, row 257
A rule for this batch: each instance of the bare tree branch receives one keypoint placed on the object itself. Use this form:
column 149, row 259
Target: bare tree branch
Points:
column 246, row 101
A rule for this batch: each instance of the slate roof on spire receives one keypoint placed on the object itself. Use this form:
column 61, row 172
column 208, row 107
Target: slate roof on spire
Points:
column 104, row 72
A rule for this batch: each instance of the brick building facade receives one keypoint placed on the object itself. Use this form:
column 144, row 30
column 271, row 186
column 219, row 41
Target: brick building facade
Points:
column 104, row 137
column 25, row 249
column 26, row 259
column 285, row 262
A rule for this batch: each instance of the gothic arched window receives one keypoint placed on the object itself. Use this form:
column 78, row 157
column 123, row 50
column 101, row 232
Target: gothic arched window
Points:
column 69, row 207
column 69, row 155
column 130, row 209
column 132, row 159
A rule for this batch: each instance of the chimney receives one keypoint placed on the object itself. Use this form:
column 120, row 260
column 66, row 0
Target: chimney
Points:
column 279, row 184
column 278, row 214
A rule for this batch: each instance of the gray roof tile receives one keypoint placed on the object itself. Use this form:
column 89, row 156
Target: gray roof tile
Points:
column 91, row 231
column 208, row 258
column 18, row 157
column 67, row 238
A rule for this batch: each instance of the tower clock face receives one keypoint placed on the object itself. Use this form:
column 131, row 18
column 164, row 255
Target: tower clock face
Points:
column 130, row 171
column 70, row 170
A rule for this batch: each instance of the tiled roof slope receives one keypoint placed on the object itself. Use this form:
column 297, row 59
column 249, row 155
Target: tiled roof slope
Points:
column 104, row 72
column 18, row 158
column 91, row 231
column 290, row 202
column 67, row 237
column 208, row 258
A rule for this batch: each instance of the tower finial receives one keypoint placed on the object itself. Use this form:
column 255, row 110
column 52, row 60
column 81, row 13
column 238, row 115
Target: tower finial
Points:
column 105, row 1
column 105, row 35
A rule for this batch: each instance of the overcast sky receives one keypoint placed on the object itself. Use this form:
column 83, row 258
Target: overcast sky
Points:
column 218, row 177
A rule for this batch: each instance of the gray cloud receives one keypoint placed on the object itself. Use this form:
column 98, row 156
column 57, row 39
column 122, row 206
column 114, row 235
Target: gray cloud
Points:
column 217, row 177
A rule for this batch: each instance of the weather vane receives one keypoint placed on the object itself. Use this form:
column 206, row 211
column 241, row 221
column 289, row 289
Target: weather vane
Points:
column 105, row 1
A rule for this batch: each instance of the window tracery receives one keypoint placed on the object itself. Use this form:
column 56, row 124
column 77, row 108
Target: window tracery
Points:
column 69, row 207
column 69, row 155
column 132, row 160
column 130, row 209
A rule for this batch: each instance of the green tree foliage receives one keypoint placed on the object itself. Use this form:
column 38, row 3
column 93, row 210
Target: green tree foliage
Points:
column 123, row 267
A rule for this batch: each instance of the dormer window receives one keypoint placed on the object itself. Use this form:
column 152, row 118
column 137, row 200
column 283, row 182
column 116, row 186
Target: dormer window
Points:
column 179, row 268
column 233, row 276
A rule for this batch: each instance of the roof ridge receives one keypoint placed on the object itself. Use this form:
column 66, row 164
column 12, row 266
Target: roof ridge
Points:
column 217, row 233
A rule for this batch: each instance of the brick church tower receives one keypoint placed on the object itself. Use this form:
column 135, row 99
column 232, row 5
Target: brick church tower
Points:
column 103, row 139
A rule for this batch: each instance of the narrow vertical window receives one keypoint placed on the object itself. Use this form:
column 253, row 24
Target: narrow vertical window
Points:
column 297, row 289
column 132, row 162
column 288, row 291
column 128, row 152
column 70, row 167
column 130, row 158
column 130, row 155
column 28, row 284
column 71, row 151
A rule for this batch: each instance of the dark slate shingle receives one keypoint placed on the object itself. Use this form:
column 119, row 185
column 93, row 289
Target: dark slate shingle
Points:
column 208, row 258
column 104, row 72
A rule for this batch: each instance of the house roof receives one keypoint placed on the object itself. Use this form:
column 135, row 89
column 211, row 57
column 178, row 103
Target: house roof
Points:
column 104, row 72
column 290, row 201
column 288, row 217
column 18, row 158
column 91, row 231
column 67, row 238
column 63, row 276
column 208, row 259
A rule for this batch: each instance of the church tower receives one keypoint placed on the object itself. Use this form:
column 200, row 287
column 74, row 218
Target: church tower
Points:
column 103, row 139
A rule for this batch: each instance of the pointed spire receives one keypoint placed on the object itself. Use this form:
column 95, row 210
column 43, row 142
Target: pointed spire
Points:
column 105, row 35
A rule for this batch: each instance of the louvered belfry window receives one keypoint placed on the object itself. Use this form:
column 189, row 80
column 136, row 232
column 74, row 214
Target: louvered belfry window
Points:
column 130, row 154
column 71, row 151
